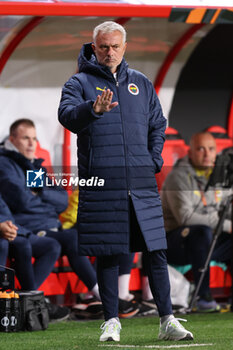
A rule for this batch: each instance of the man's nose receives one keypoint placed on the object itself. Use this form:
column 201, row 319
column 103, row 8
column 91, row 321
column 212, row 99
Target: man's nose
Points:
column 207, row 152
column 110, row 50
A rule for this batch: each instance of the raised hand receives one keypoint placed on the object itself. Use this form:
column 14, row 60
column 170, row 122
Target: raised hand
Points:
column 103, row 103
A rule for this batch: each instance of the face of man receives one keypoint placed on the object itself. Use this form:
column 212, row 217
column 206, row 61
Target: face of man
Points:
column 109, row 49
column 24, row 139
column 202, row 151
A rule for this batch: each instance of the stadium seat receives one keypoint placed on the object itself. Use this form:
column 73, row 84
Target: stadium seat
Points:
column 220, row 281
column 221, row 137
column 174, row 148
column 44, row 154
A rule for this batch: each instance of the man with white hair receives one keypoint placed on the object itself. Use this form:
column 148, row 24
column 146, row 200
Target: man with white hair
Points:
column 117, row 116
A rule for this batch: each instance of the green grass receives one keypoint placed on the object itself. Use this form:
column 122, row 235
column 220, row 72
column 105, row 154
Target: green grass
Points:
column 216, row 329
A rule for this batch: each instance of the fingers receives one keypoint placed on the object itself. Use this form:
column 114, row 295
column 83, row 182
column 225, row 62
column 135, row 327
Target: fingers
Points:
column 9, row 236
column 8, row 230
column 12, row 226
column 106, row 97
column 103, row 102
column 112, row 105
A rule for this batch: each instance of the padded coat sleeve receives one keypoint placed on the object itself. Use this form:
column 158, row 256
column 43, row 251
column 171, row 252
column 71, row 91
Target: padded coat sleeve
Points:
column 12, row 188
column 5, row 214
column 74, row 112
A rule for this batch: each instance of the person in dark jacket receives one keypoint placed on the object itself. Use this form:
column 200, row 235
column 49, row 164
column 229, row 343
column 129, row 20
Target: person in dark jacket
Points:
column 23, row 245
column 37, row 209
column 118, row 119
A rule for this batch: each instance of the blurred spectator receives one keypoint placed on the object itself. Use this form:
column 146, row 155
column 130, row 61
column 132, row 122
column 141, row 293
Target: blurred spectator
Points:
column 38, row 209
column 191, row 213
column 23, row 245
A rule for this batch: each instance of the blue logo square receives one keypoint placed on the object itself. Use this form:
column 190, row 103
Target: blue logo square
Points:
column 35, row 178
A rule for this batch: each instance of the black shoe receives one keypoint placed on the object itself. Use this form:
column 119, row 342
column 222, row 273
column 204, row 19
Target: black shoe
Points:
column 148, row 307
column 57, row 313
column 128, row 309
column 90, row 308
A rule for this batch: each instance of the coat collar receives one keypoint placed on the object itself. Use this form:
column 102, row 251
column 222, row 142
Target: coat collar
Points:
column 22, row 161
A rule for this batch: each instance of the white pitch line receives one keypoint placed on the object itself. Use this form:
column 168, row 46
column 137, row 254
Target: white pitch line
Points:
column 155, row 346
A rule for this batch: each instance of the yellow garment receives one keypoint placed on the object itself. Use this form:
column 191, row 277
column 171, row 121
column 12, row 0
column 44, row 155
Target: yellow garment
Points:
column 69, row 216
column 205, row 173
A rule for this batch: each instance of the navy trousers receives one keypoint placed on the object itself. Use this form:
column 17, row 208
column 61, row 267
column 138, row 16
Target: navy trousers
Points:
column 223, row 248
column 125, row 263
column 191, row 249
column 45, row 250
column 156, row 268
column 81, row 265
column 4, row 245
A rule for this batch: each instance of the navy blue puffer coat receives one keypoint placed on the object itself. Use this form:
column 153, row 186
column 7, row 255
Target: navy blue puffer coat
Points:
column 123, row 147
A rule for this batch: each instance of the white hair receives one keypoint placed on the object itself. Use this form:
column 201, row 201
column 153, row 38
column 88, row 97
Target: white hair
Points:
column 109, row 27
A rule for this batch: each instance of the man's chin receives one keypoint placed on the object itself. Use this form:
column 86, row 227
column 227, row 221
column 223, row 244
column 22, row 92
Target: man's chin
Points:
column 203, row 166
column 111, row 64
column 29, row 156
column 207, row 166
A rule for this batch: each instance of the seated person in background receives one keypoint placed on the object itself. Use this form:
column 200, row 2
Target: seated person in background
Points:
column 128, row 307
column 21, row 245
column 191, row 214
column 38, row 209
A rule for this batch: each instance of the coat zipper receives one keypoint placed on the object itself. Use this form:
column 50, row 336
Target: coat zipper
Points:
column 127, row 182
column 129, row 193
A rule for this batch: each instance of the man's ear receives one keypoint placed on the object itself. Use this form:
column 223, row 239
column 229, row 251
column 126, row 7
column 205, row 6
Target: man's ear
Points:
column 11, row 138
column 93, row 47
